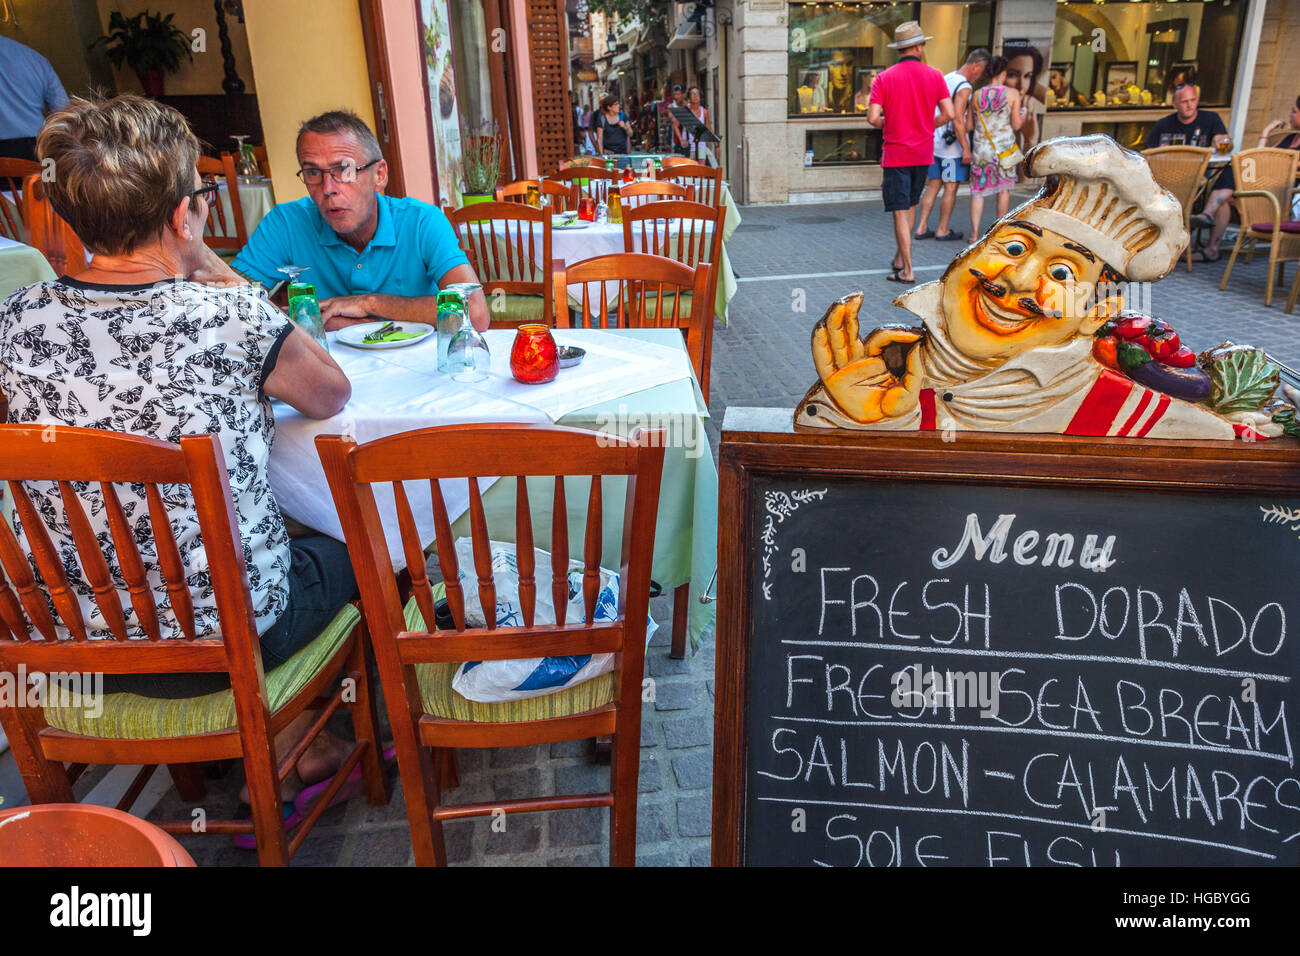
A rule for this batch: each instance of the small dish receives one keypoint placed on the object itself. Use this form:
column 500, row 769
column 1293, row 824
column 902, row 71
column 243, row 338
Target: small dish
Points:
column 571, row 355
column 354, row 335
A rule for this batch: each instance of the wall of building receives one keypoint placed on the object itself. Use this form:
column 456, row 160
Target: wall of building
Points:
column 61, row 30
column 293, row 87
column 406, row 98
column 205, row 73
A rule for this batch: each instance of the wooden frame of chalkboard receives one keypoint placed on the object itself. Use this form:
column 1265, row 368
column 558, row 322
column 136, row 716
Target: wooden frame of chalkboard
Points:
column 759, row 444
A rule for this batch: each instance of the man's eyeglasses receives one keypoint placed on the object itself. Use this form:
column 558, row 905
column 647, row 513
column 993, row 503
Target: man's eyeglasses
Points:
column 342, row 173
column 208, row 191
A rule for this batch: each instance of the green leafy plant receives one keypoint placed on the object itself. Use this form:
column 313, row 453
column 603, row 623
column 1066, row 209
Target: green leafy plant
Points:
column 481, row 147
column 146, row 42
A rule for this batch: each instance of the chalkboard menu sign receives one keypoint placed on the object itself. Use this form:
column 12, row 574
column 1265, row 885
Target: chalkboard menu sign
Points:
column 1003, row 652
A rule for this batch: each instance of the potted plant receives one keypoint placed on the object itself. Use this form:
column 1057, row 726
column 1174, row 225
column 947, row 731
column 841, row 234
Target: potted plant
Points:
column 481, row 147
column 148, row 43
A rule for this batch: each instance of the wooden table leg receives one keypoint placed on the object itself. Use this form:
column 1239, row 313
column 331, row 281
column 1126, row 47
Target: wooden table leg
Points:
column 681, row 611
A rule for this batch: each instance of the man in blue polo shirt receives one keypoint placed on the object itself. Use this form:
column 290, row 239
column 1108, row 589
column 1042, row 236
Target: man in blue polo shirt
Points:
column 369, row 254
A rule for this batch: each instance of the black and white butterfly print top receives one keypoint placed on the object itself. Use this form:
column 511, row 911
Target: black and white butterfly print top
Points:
column 162, row 361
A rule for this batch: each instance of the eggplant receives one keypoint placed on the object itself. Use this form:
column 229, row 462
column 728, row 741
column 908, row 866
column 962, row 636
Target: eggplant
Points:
column 1189, row 384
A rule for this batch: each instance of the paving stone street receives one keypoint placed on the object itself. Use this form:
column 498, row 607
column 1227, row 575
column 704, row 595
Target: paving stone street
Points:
column 792, row 261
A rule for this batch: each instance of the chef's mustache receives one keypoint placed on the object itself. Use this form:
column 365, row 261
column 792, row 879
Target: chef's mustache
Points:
column 1028, row 303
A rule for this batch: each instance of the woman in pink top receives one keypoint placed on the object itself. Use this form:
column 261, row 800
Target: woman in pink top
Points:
column 996, row 114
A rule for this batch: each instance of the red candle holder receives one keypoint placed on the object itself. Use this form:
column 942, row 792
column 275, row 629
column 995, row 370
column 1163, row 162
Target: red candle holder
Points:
column 587, row 209
column 534, row 359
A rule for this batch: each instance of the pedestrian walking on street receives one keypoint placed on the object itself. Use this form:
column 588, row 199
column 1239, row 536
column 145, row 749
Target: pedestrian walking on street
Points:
column 996, row 114
column 952, row 155
column 903, row 104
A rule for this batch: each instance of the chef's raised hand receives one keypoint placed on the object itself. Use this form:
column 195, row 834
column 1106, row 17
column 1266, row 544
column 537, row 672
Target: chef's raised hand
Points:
column 854, row 372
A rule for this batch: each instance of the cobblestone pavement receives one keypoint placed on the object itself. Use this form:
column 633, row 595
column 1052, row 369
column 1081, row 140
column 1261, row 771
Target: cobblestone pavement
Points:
column 792, row 261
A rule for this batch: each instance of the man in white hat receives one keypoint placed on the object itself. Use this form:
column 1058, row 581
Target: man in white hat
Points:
column 903, row 103
column 1005, row 342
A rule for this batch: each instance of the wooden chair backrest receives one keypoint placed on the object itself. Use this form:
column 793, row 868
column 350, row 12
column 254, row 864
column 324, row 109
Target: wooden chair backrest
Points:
column 460, row 452
column 49, row 232
column 1264, row 170
column 223, row 231
column 564, row 197
column 516, row 191
column 12, row 174
column 635, row 195
column 706, row 180
column 670, row 161
column 509, row 246
column 589, row 181
column 644, row 293
column 100, row 526
column 1180, row 169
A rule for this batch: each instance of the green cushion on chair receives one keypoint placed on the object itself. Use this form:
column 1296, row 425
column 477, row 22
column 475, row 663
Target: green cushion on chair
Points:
column 441, row 700
column 515, row 308
column 652, row 308
column 133, row 717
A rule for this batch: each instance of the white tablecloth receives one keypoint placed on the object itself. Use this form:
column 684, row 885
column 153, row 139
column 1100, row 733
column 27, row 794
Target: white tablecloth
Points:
column 396, row 390
column 256, row 200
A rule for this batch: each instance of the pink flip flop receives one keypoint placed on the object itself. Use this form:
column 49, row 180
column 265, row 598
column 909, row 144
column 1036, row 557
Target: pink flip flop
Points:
column 306, row 799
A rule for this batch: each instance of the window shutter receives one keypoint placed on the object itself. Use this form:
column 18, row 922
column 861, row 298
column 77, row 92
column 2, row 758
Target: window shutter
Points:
column 548, row 54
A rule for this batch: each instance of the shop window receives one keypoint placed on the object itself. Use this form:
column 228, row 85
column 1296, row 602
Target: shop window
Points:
column 1132, row 55
column 1132, row 135
column 842, row 147
column 836, row 50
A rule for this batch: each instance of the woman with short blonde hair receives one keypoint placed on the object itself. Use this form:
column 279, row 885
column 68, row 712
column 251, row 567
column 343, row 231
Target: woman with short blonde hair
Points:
column 160, row 338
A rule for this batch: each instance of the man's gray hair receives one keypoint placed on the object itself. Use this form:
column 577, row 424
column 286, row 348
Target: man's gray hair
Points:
column 343, row 121
column 978, row 55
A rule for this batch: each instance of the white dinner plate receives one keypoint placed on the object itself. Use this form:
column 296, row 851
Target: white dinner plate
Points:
column 353, row 334
column 579, row 224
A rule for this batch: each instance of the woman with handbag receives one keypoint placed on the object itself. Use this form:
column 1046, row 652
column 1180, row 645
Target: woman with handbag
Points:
column 996, row 113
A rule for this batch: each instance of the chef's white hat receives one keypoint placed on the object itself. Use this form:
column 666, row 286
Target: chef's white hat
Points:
column 1104, row 197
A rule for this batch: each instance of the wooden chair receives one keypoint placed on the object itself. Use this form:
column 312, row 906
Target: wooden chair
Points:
column 669, row 161
column 416, row 667
column 509, row 246
column 690, row 233
column 12, row 174
column 563, row 198
column 706, row 180
column 49, row 232
column 1265, row 203
column 1181, row 170
column 589, row 181
column 223, row 232
column 635, row 195
column 239, row 723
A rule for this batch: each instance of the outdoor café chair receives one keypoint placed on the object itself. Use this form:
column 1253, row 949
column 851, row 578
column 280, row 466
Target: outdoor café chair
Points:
column 222, row 232
column 1181, row 170
column 563, row 198
column 43, row 630
column 1263, row 207
column 691, row 233
column 509, row 246
column 635, row 195
column 591, row 181
column 669, row 161
column 706, row 180
column 12, row 174
column 48, row 232
column 417, row 665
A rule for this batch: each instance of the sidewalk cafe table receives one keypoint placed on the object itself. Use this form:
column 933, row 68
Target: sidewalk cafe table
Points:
column 630, row 378
column 21, row 265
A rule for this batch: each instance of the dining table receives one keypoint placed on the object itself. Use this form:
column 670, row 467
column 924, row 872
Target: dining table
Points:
column 256, row 198
column 21, row 265
column 628, row 379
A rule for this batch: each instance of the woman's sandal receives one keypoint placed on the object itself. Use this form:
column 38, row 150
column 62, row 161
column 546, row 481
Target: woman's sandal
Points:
column 297, row 809
column 1200, row 256
column 895, row 276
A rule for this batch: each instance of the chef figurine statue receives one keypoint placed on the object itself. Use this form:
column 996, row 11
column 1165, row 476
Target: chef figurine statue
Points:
column 1006, row 340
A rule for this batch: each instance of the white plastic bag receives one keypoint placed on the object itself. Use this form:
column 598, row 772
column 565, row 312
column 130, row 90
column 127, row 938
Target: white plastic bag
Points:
column 493, row 681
